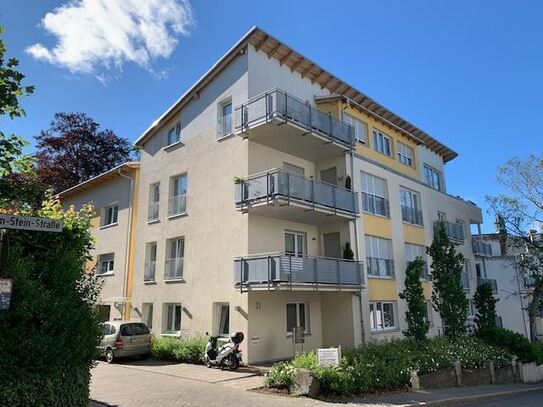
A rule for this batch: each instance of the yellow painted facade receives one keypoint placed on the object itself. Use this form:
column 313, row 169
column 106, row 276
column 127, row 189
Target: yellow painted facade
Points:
column 427, row 290
column 414, row 234
column 377, row 226
column 381, row 290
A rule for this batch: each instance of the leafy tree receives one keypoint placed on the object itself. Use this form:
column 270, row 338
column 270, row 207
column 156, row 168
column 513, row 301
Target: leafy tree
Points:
column 75, row 149
column 448, row 296
column 518, row 211
column 485, row 303
column 12, row 159
column 348, row 253
column 416, row 314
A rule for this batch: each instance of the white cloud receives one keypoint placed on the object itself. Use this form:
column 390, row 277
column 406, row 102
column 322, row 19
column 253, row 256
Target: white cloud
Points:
column 96, row 34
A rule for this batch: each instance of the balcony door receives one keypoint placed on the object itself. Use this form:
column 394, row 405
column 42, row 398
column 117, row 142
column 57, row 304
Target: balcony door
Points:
column 329, row 176
column 332, row 245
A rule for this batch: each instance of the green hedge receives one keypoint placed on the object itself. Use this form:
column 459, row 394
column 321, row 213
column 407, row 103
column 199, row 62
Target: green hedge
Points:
column 188, row 350
column 517, row 344
column 387, row 365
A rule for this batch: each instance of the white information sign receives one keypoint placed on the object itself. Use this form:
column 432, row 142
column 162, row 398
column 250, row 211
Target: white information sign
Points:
column 329, row 356
column 29, row 223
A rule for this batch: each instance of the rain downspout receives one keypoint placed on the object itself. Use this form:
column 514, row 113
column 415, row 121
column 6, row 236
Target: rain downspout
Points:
column 129, row 234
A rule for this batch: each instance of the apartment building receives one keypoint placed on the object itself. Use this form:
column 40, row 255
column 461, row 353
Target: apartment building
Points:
column 251, row 185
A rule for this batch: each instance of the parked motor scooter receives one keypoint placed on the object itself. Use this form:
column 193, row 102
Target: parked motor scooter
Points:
column 227, row 355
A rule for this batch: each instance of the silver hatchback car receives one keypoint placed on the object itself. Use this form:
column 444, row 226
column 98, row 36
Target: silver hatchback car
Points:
column 123, row 339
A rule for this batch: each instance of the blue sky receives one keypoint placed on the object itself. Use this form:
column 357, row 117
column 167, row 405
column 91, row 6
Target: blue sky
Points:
column 467, row 72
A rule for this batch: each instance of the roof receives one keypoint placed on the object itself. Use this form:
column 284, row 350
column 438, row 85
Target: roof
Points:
column 99, row 179
column 262, row 41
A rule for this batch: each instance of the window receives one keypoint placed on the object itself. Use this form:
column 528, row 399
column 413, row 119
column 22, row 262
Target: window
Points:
column 224, row 124
column 173, row 319
column 428, row 312
column 379, row 257
column 298, row 316
column 441, row 215
column 465, row 275
column 174, row 259
column 405, row 154
column 154, row 199
column 174, row 134
column 178, row 194
column 147, row 314
column 360, row 128
column 104, row 312
column 374, row 195
column 412, row 251
column 106, row 263
column 410, row 203
column 224, row 319
column 382, row 143
column 432, row 177
column 295, row 243
column 382, row 315
column 478, row 270
column 110, row 214
column 150, row 262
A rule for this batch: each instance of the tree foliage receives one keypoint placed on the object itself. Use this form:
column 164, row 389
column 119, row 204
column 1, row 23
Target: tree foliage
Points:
column 74, row 149
column 518, row 211
column 448, row 296
column 413, row 294
column 485, row 303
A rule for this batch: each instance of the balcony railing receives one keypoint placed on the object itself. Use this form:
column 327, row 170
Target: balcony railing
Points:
column 493, row 283
column 149, row 272
column 278, row 269
column 224, row 125
column 375, row 204
column 152, row 212
column 412, row 215
column 481, row 248
column 455, row 231
column 279, row 104
column 177, row 205
column 173, row 269
column 380, row 268
column 309, row 191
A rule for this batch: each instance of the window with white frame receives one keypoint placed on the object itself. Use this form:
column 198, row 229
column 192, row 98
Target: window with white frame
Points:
column 224, row 123
column 174, row 258
column 411, row 208
column 174, row 134
column 110, row 214
column 428, row 312
column 412, row 251
column 178, row 195
column 374, row 195
column 379, row 257
column 154, row 201
column 295, row 243
column 406, row 154
column 173, row 319
column 150, row 262
column 106, row 264
column 432, row 178
column 382, row 315
column 298, row 316
column 382, row 143
column 359, row 127
column 223, row 319
column 147, row 314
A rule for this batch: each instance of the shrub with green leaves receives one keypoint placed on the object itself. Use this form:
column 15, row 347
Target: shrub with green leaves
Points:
column 387, row 365
column 181, row 350
column 515, row 343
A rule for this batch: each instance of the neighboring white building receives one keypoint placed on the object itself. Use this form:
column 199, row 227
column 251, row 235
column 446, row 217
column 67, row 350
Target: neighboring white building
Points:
column 251, row 185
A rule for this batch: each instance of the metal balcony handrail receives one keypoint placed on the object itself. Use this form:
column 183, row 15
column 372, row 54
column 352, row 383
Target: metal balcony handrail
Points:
column 173, row 268
column 493, row 283
column 412, row 215
column 224, row 124
column 279, row 182
column 150, row 270
column 153, row 211
column 371, row 201
column 455, row 230
column 276, row 103
column 177, row 204
column 481, row 248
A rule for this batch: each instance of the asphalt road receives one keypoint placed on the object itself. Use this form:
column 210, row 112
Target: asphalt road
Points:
column 530, row 400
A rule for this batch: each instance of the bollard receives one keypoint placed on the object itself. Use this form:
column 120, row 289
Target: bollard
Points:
column 458, row 373
column 492, row 372
column 415, row 382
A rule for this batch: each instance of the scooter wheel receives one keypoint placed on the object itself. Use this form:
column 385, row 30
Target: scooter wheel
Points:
column 207, row 362
column 234, row 363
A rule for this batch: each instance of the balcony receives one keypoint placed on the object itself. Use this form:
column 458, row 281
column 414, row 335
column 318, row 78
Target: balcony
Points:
column 481, row 248
column 284, row 195
column 279, row 271
column 173, row 269
column 493, row 283
column 455, row 231
column 177, row 205
column 286, row 123
column 149, row 271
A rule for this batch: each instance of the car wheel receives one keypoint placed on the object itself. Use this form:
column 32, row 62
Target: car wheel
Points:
column 109, row 355
column 144, row 356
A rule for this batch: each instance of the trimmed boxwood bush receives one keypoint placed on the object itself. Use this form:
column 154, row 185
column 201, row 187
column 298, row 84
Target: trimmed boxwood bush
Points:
column 189, row 350
column 517, row 344
column 387, row 365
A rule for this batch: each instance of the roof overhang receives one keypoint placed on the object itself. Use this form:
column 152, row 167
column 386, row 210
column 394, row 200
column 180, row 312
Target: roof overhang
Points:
column 262, row 41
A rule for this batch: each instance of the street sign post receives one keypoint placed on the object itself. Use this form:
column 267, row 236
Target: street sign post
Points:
column 30, row 223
